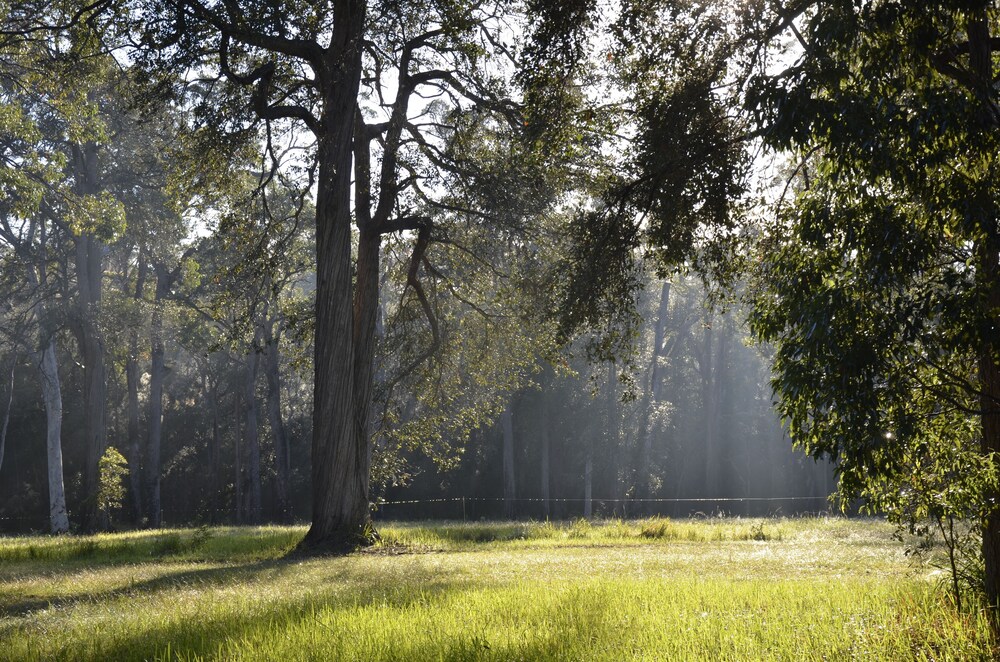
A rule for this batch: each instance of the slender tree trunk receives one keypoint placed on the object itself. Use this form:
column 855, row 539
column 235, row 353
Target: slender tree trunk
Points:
column 614, row 443
column 543, row 431
column 251, row 442
column 715, row 466
column 6, row 414
column 708, row 412
column 215, row 452
column 272, row 373
column 134, row 436
column 135, row 477
column 341, row 517
column 48, row 369
column 157, row 373
column 507, row 428
column 588, row 482
column 238, row 454
column 646, row 472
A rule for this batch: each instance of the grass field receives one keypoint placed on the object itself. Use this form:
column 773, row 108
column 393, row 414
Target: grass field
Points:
column 736, row 589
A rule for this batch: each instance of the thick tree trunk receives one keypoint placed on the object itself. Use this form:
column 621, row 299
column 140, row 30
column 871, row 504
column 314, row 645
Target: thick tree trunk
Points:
column 251, row 440
column 507, row 428
column 366, row 309
column 981, row 57
column 48, row 369
column 989, row 376
column 157, row 373
column 272, row 373
column 341, row 517
column 95, row 398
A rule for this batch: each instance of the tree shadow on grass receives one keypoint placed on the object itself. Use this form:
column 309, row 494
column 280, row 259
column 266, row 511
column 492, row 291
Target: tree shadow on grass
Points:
column 207, row 633
column 48, row 555
column 215, row 575
column 202, row 631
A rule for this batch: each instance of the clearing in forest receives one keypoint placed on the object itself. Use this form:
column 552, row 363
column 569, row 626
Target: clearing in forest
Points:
column 719, row 589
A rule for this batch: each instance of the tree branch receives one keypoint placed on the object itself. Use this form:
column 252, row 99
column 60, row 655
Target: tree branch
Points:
column 304, row 49
column 413, row 281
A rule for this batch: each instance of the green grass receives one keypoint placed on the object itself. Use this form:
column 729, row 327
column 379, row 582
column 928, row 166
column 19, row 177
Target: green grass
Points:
column 719, row 589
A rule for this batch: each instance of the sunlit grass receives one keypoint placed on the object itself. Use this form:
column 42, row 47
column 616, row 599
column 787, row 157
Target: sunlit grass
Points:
column 740, row 589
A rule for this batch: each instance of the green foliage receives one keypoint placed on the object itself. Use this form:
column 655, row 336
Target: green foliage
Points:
column 113, row 469
column 492, row 337
column 875, row 281
column 668, row 188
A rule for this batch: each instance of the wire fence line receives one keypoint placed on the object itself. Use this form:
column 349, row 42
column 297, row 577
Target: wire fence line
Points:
column 496, row 508
column 595, row 499
column 467, row 501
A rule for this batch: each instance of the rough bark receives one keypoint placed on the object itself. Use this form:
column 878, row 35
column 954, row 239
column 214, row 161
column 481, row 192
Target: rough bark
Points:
column 988, row 252
column 507, row 428
column 341, row 518
column 988, row 274
column 989, row 376
column 365, row 321
column 272, row 374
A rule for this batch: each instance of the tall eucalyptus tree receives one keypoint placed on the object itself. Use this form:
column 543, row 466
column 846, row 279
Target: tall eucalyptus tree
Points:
column 383, row 89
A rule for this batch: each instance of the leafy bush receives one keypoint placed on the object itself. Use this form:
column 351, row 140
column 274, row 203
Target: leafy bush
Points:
column 111, row 488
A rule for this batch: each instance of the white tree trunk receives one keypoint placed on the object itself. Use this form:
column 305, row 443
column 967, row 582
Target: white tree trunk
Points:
column 49, row 370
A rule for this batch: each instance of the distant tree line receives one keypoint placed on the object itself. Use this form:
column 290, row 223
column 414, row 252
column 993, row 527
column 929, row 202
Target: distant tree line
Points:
column 694, row 421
